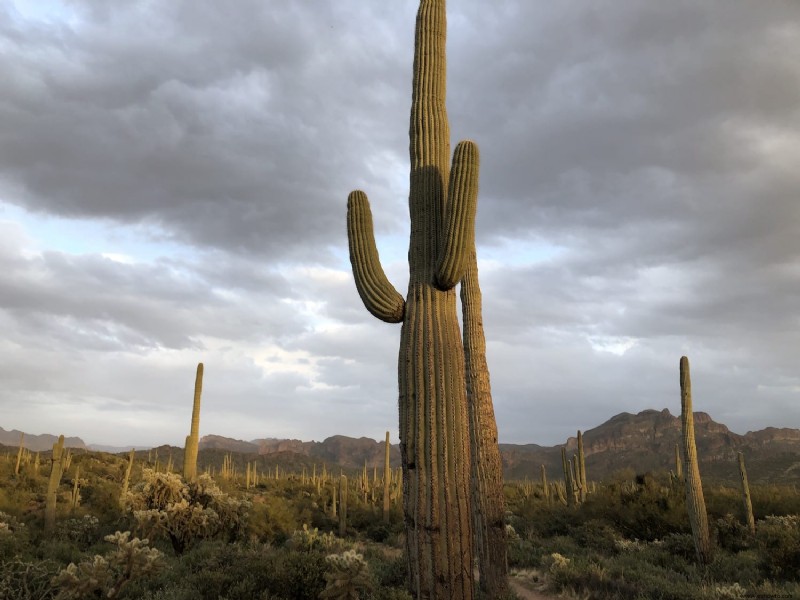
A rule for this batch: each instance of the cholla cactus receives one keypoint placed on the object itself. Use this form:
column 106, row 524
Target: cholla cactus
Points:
column 347, row 576
column 106, row 575
column 164, row 504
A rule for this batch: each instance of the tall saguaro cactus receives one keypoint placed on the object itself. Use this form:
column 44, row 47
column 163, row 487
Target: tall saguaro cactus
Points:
column 193, row 439
column 434, row 430
column 487, row 468
column 695, row 503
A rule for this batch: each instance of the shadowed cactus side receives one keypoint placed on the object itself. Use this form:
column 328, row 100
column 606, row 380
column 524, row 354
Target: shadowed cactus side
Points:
column 193, row 439
column 488, row 501
column 695, row 503
column 434, row 428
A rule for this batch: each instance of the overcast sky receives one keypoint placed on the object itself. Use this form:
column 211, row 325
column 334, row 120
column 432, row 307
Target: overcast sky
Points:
column 173, row 184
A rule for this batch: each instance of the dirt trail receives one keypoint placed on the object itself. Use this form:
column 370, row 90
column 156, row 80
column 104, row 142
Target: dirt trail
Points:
column 526, row 593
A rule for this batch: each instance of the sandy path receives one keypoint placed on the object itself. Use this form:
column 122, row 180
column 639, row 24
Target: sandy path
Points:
column 525, row 593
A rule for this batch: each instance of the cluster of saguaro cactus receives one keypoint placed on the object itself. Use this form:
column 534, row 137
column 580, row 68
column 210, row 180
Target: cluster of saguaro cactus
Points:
column 57, row 465
column 695, row 503
column 434, row 426
column 193, row 439
column 77, row 482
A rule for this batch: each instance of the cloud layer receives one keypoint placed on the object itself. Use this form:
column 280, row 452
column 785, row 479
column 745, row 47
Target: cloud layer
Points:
column 173, row 182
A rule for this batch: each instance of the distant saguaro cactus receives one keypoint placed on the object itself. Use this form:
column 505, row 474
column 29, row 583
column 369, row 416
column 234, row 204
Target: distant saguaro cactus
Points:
column 127, row 479
column 545, row 487
column 387, row 479
column 193, row 439
column 56, row 471
column 584, row 489
column 748, row 505
column 342, row 505
column 695, row 503
column 678, row 463
column 434, row 428
column 19, row 453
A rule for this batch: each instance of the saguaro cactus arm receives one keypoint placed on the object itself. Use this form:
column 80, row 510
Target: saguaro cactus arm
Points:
column 459, row 228
column 378, row 295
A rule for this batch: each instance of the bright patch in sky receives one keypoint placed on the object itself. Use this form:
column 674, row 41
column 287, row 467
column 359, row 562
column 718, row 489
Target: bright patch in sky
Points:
column 121, row 243
column 612, row 345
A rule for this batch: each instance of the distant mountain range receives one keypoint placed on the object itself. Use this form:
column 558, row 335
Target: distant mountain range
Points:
column 641, row 442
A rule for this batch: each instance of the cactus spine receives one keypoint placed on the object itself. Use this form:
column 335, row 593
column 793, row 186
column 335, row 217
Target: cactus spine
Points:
column 695, row 503
column 748, row 505
column 434, row 429
column 488, row 501
column 56, row 470
column 193, row 439
column 387, row 479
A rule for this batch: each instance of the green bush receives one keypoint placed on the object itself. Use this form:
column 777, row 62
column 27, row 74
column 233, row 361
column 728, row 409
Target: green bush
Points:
column 778, row 543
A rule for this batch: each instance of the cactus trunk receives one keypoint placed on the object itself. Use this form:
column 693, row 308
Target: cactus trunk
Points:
column 387, row 480
column 748, row 505
column 545, row 487
column 342, row 505
column 434, row 428
column 695, row 503
column 193, row 439
column 19, row 453
column 56, row 470
column 126, row 481
column 678, row 463
column 488, row 502
column 582, row 467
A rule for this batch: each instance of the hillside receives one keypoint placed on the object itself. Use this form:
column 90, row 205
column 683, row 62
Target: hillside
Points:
column 640, row 442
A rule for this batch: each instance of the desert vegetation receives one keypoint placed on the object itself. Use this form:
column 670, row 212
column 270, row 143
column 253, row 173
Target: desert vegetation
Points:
column 169, row 538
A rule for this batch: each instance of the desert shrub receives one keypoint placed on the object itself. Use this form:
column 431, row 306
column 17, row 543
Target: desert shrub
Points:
column 740, row 567
column 164, row 504
column 778, row 543
column 14, row 536
column 81, row 532
column 731, row 534
column 27, row 580
column 347, row 576
column 597, row 535
column 307, row 539
column 524, row 554
column 105, row 576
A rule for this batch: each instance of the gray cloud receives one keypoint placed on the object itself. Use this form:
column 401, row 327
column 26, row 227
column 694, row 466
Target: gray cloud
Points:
column 638, row 202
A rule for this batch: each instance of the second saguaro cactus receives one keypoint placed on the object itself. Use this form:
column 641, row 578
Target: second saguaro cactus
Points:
column 193, row 439
column 434, row 431
column 695, row 503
